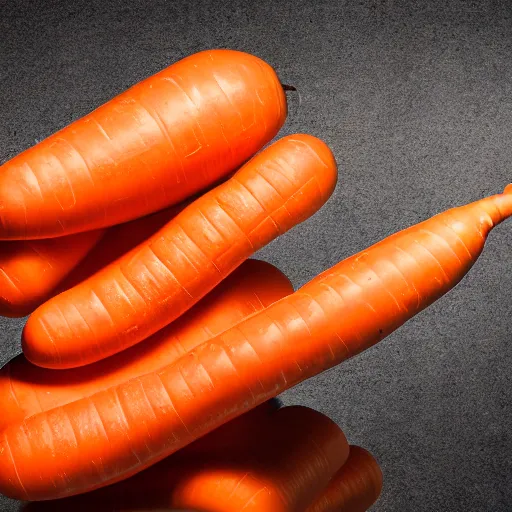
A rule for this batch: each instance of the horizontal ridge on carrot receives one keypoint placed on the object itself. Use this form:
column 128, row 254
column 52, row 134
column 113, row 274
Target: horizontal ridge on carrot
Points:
column 120, row 431
column 152, row 146
column 156, row 282
column 26, row 390
column 33, row 271
column 30, row 270
column 118, row 240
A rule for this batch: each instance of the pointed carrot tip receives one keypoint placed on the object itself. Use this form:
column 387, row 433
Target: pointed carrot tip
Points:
column 504, row 202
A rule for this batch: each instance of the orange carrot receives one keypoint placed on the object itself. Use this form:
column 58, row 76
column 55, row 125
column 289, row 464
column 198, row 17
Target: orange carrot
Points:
column 118, row 432
column 30, row 270
column 159, row 280
column 152, row 146
column 289, row 461
column 354, row 488
column 26, row 389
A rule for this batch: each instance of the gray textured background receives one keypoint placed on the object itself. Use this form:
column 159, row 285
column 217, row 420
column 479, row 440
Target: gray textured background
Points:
column 416, row 103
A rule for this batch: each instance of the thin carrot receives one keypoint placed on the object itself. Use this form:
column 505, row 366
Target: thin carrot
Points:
column 124, row 429
column 354, row 488
column 152, row 146
column 30, row 270
column 290, row 459
column 159, row 280
column 26, row 389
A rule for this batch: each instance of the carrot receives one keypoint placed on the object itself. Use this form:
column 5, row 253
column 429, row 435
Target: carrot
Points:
column 282, row 469
column 354, row 488
column 152, row 146
column 118, row 432
column 159, row 280
column 26, row 389
column 31, row 269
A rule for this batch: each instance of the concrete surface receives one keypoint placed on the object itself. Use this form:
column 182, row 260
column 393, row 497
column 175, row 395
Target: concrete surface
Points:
column 415, row 99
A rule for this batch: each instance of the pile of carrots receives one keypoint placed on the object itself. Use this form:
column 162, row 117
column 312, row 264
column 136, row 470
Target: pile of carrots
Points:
column 154, row 345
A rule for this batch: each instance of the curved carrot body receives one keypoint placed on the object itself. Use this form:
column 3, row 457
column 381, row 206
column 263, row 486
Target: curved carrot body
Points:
column 152, row 146
column 159, row 280
column 120, row 431
column 26, row 390
column 292, row 456
column 30, row 270
column 354, row 488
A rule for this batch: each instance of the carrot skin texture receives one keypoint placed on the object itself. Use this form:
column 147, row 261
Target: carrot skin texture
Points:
column 290, row 459
column 122, row 430
column 354, row 488
column 152, row 146
column 118, row 241
column 159, row 280
column 30, row 270
column 33, row 271
column 26, row 390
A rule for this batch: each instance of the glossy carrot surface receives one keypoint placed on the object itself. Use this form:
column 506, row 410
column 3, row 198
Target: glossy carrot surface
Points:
column 33, row 271
column 26, row 389
column 152, row 146
column 160, row 279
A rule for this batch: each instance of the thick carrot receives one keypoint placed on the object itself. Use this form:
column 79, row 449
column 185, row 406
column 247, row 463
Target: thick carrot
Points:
column 30, row 270
column 354, row 488
column 152, row 146
column 120, row 431
column 159, row 280
column 286, row 464
column 26, row 389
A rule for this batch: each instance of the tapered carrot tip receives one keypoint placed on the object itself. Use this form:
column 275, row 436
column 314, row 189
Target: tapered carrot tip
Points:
column 494, row 209
column 474, row 221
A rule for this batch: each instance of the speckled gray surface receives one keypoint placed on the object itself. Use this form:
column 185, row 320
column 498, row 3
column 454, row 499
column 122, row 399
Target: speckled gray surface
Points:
column 416, row 103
